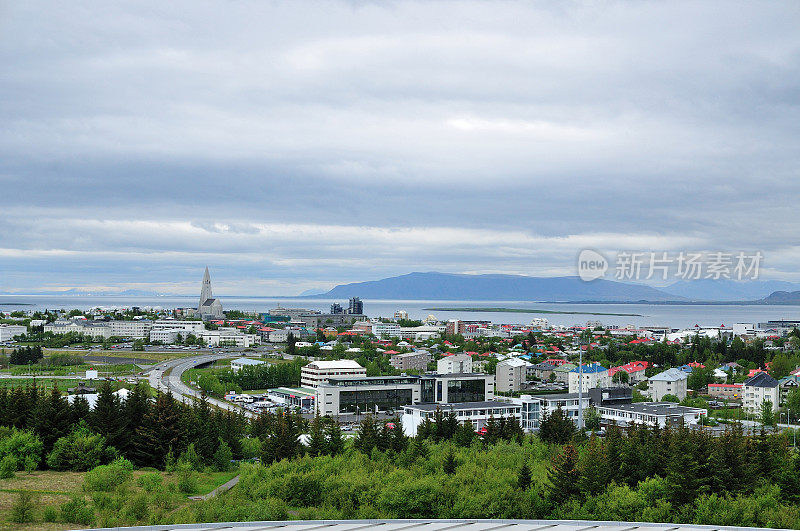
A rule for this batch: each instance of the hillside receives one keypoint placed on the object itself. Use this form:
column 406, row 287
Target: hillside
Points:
column 448, row 286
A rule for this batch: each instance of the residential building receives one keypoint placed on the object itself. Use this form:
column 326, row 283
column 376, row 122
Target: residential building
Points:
column 541, row 370
column 340, row 396
column 476, row 413
column 536, row 407
column 604, row 396
column 786, row 385
column 511, row 375
column 562, row 372
column 386, row 329
column 80, row 326
column 593, row 374
column 417, row 360
column 669, row 382
column 356, row 306
column 635, row 370
column 336, row 309
column 661, row 414
column 454, row 326
column 757, row 389
column 9, row 332
column 139, row 329
column 455, row 363
column 240, row 363
column 725, row 391
column 230, row 337
column 317, row 372
column 185, row 327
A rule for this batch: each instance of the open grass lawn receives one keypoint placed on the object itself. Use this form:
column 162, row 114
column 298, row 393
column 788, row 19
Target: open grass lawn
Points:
column 52, row 489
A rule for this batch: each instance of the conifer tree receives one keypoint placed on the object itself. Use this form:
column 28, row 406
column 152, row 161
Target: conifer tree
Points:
column 450, row 464
column 317, row 442
column 159, row 431
column 79, row 410
column 594, row 468
column 106, row 418
column 464, row 435
column 368, row 434
column 524, row 477
column 564, row 475
column 333, row 433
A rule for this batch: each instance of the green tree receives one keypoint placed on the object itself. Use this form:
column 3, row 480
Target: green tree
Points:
column 556, row 427
column 767, row 413
column 450, row 464
column 223, row 456
column 563, row 474
column 524, row 477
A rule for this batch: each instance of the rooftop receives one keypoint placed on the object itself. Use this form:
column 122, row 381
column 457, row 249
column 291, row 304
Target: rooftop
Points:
column 655, row 408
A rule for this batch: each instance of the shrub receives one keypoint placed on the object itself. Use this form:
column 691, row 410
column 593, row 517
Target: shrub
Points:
column 79, row 451
column 50, row 514
column 187, row 482
column 23, row 445
column 8, row 465
column 150, row 481
column 23, row 508
column 223, row 456
column 191, row 458
column 105, row 477
column 137, row 508
column 77, row 511
column 251, row 447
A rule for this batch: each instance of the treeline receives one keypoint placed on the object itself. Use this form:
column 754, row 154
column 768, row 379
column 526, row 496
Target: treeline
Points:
column 265, row 376
column 25, row 355
column 673, row 475
column 140, row 429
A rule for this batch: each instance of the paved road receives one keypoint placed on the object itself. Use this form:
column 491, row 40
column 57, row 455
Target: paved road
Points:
column 172, row 381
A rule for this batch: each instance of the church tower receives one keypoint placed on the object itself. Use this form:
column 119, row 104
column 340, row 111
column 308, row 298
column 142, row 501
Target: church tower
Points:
column 205, row 290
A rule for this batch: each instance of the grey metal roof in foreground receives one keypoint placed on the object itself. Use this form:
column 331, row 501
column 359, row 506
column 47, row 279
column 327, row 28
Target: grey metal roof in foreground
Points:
column 439, row 525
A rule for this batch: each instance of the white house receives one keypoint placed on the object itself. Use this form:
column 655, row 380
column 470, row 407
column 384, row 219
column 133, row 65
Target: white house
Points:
column 455, row 364
column 761, row 386
column 670, row 382
column 9, row 332
column 511, row 374
column 594, row 375
column 318, row 372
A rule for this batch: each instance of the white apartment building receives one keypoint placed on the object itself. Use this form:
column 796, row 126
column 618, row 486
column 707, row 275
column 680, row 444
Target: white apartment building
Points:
column 317, row 372
column 661, row 414
column 455, row 364
column 166, row 337
column 386, row 329
column 535, row 407
column 511, row 374
column 139, row 329
column 9, row 332
column 670, row 382
column 594, row 375
column 186, row 327
column 476, row 413
column 758, row 388
column 87, row 328
column 229, row 337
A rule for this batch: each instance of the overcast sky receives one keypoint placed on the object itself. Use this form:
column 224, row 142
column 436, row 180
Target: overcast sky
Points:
column 296, row 145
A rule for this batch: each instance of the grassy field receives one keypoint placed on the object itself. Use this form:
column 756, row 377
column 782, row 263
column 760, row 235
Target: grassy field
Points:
column 52, row 489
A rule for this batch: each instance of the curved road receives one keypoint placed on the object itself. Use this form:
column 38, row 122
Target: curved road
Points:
column 172, row 381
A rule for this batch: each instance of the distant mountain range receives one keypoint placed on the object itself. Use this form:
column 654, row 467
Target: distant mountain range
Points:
column 84, row 293
column 782, row 297
column 728, row 290
column 449, row 286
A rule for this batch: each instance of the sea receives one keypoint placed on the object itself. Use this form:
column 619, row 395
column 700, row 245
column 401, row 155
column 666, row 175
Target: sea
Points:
column 635, row 314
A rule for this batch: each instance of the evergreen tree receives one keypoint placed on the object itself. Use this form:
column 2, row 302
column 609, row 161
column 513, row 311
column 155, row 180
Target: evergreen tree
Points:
column 333, row 433
column 106, row 419
column 594, row 468
column 159, row 431
column 284, row 440
column 223, row 456
column 133, row 412
column 564, row 475
column 524, row 477
column 79, row 410
column 317, row 442
column 464, row 435
column 556, row 427
column 368, row 434
column 51, row 418
column 450, row 464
